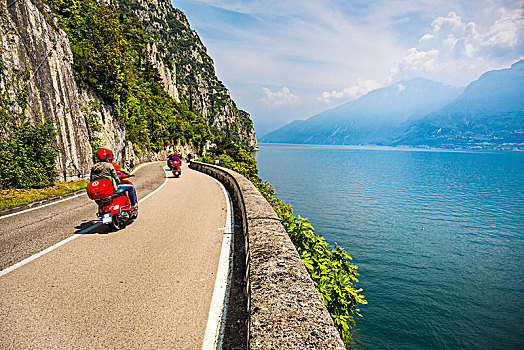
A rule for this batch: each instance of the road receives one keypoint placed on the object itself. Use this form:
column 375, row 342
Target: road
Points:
column 147, row 286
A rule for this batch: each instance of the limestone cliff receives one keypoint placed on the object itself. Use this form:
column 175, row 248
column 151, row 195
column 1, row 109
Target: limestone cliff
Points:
column 197, row 82
column 30, row 39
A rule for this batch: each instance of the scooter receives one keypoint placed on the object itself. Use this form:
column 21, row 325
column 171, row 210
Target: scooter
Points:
column 175, row 168
column 114, row 208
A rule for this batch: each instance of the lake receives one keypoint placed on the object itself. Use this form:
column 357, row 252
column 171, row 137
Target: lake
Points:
column 438, row 237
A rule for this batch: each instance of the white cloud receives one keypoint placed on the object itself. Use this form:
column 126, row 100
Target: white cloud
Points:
column 505, row 31
column 456, row 51
column 351, row 92
column 316, row 48
column 283, row 97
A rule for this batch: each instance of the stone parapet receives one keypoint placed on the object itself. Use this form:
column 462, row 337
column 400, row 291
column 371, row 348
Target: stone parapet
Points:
column 285, row 310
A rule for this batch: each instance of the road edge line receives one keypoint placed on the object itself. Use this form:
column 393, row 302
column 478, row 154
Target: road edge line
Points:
column 217, row 310
column 70, row 238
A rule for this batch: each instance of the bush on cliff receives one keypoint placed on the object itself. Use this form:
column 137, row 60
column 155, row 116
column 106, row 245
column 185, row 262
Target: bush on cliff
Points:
column 330, row 267
column 27, row 153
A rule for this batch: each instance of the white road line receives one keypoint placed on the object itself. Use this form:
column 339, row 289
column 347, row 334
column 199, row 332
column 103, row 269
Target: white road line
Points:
column 41, row 206
column 218, row 308
column 159, row 188
column 59, row 201
column 45, row 251
column 76, row 235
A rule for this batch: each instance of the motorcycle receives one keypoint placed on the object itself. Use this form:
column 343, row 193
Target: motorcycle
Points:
column 175, row 168
column 114, row 208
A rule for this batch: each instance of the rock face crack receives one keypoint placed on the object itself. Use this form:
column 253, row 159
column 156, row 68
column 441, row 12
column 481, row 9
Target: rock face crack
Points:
column 264, row 218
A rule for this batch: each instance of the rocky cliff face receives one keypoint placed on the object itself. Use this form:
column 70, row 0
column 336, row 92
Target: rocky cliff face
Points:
column 197, row 82
column 30, row 39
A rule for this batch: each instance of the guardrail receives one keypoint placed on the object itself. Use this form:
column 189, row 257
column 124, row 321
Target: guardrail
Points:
column 284, row 308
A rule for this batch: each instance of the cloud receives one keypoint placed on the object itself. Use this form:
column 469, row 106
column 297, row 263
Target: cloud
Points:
column 505, row 31
column 457, row 51
column 278, row 98
column 351, row 92
column 328, row 52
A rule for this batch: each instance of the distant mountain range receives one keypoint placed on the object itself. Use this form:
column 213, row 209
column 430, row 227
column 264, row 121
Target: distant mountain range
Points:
column 488, row 113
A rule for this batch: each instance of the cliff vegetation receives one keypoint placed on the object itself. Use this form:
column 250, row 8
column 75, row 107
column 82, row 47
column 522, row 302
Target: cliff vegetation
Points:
column 196, row 78
column 27, row 156
column 110, row 55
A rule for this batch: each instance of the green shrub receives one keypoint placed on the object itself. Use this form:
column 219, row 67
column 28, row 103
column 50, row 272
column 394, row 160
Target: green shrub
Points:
column 27, row 154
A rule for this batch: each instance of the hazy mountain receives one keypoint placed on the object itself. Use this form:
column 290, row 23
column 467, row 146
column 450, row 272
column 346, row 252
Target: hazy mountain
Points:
column 377, row 117
column 488, row 114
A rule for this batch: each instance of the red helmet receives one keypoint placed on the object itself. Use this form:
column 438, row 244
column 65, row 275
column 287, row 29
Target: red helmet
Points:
column 104, row 153
column 175, row 154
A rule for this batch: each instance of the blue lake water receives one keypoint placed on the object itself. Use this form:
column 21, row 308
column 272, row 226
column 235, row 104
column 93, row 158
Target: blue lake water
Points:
column 438, row 237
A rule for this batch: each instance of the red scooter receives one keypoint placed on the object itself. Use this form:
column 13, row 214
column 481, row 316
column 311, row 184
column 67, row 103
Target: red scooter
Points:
column 114, row 208
column 175, row 168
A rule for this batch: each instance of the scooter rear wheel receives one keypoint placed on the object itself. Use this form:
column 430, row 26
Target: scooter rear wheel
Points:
column 116, row 223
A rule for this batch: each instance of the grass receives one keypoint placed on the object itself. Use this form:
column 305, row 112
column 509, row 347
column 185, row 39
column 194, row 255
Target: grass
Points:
column 12, row 198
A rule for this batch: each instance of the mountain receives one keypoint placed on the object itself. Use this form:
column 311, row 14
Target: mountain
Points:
column 129, row 75
column 488, row 114
column 196, row 79
column 375, row 118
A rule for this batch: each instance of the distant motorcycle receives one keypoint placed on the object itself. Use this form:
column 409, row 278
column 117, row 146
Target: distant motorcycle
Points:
column 114, row 208
column 175, row 168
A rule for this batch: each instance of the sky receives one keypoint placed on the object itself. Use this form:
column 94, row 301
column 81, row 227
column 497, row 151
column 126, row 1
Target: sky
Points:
column 291, row 59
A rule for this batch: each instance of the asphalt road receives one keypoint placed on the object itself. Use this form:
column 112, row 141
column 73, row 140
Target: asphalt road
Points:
column 146, row 286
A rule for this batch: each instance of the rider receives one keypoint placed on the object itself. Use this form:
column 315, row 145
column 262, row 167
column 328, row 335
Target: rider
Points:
column 173, row 156
column 177, row 158
column 104, row 168
column 169, row 159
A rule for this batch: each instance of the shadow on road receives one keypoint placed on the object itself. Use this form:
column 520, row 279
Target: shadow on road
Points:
column 87, row 224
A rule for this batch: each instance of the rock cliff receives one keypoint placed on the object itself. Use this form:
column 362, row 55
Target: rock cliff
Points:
column 196, row 78
column 30, row 39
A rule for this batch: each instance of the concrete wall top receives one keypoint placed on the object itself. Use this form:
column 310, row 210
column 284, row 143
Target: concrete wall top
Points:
column 285, row 310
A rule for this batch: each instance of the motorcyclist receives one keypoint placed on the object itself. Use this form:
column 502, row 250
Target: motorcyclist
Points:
column 173, row 156
column 169, row 159
column 104, row 168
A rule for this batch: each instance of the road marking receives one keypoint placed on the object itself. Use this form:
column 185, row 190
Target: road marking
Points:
column 45, row 251
column 218, row 308
column 59, row 201
column 41, row 206
column 69, row 239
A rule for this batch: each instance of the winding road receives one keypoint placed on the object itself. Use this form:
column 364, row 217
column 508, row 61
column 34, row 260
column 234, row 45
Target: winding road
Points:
column 149, row 285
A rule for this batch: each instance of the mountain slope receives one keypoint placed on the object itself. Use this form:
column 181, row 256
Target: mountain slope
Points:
column 196, row 78
column 488, row 114
column 373, row 118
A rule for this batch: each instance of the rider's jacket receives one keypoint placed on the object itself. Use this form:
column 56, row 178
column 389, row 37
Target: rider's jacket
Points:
column 116, row 166
column 103, row 170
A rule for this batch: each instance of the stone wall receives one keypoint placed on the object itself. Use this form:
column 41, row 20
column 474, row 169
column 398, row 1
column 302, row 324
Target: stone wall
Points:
column 285, row 310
